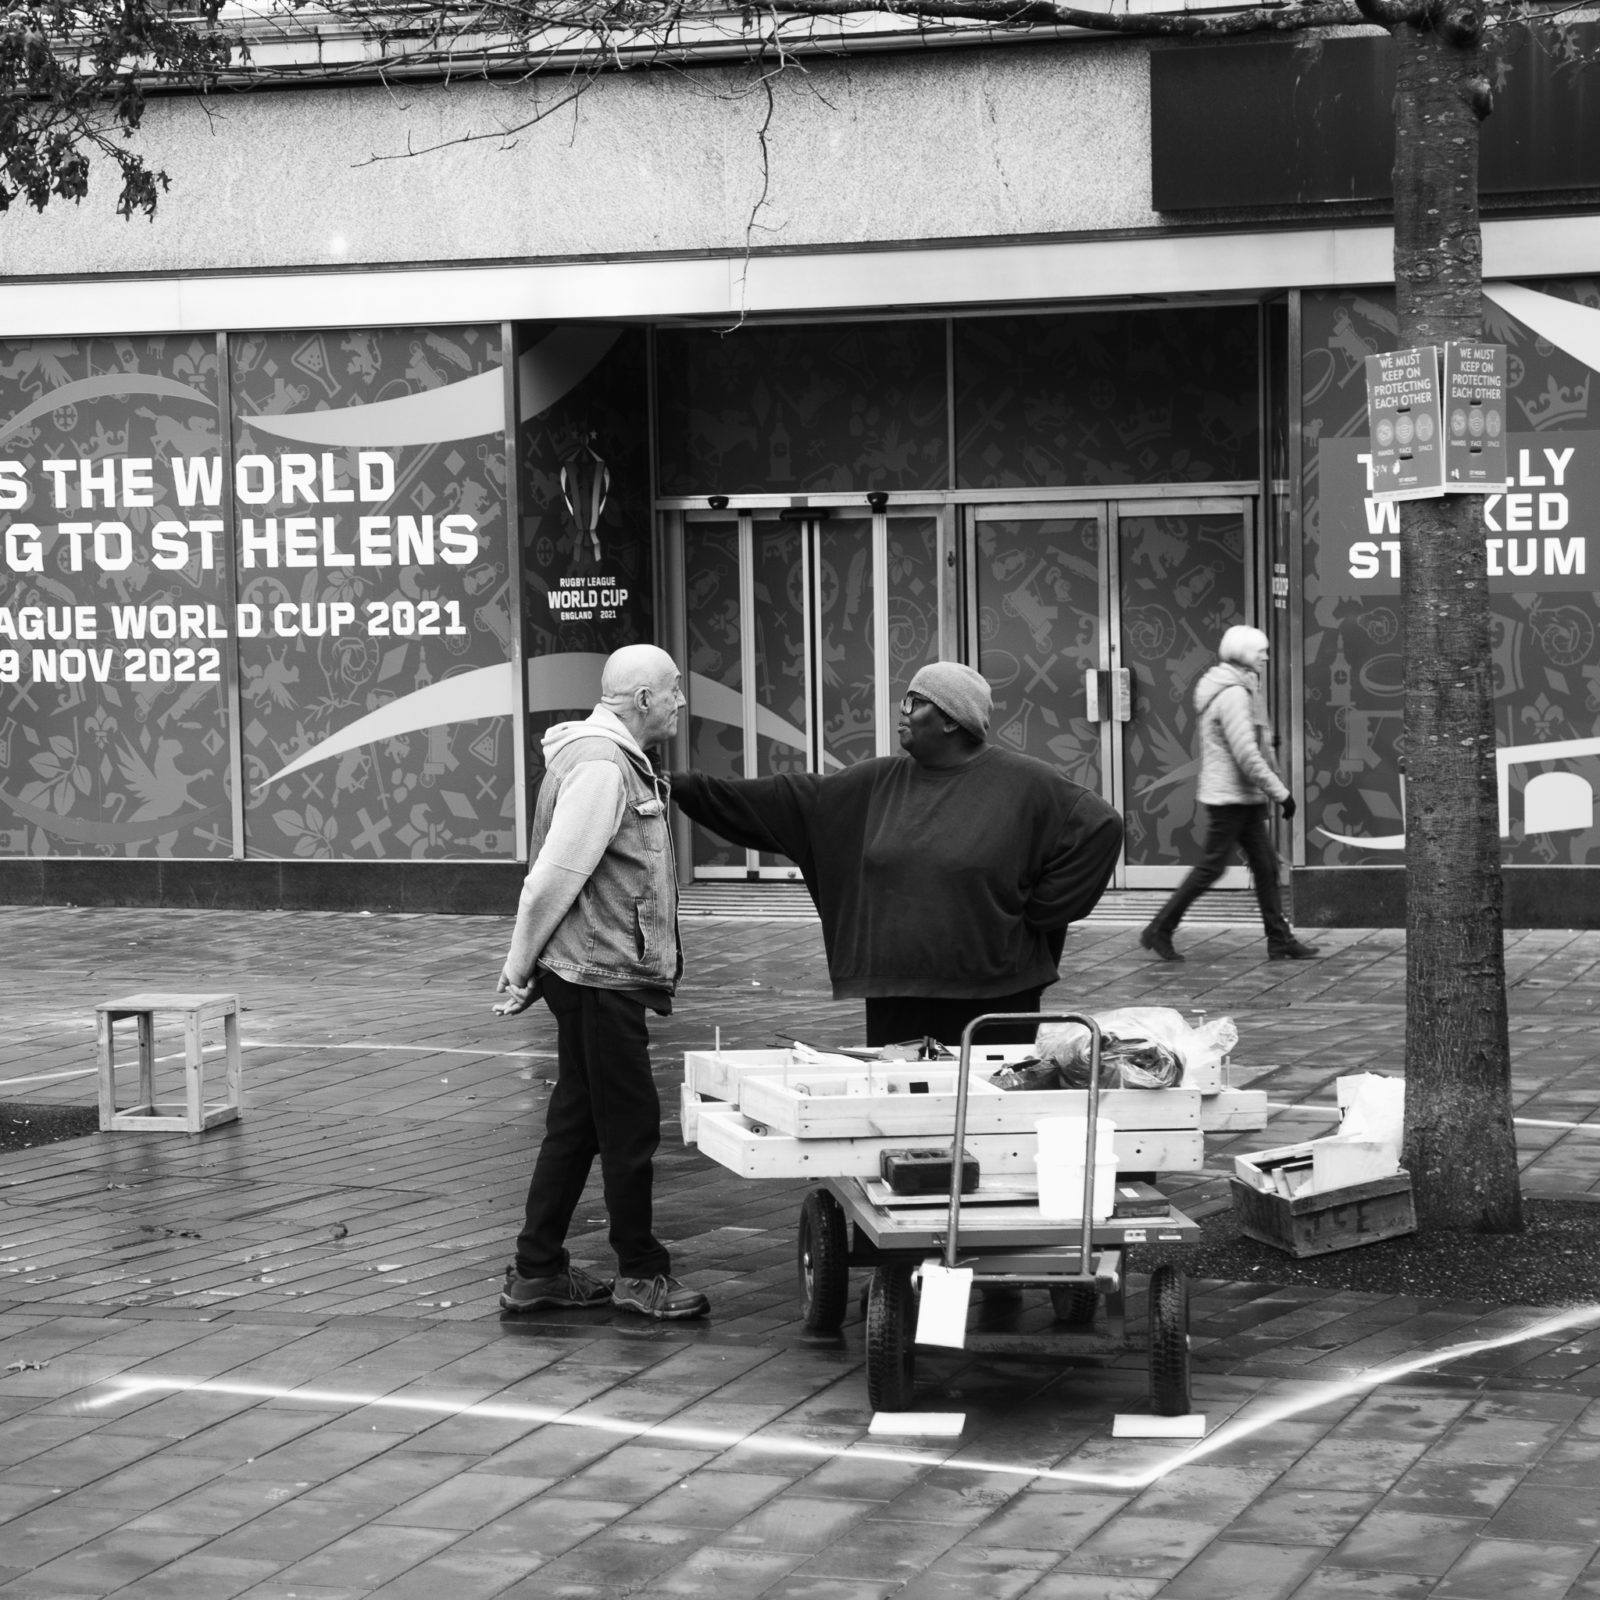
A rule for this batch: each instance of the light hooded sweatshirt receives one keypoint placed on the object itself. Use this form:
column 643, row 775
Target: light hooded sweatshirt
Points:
column 599, row 906
column 1235, row 769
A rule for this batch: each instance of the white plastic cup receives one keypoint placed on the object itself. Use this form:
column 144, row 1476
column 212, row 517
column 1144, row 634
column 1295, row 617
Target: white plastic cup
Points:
column 1061, row 1189
column 1067, row 1138
column 1063, row 1144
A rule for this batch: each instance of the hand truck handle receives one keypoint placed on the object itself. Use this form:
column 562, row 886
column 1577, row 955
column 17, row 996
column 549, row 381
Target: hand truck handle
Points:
column 1035, row 1017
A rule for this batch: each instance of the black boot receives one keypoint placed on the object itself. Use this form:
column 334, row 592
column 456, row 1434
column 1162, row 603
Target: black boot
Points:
column 1159, row 943
column 1292, row 949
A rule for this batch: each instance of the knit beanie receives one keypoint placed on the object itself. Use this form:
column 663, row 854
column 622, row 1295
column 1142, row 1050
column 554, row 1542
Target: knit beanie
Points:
column 962, row 694
column 1241, row 644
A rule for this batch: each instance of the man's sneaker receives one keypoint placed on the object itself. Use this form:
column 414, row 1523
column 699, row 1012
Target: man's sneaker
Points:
column 1294, row 950
column 660, row 1296
column 1159, row 943
column 561, row 1291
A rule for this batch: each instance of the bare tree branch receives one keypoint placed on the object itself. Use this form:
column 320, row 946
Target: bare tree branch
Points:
column 1273, row 16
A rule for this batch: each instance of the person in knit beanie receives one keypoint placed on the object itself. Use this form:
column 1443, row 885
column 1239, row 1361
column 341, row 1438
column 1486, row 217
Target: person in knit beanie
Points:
column 945, row 877
column 960, row 693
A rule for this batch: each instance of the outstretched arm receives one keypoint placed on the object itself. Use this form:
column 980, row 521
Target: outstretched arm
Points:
column 756, row 813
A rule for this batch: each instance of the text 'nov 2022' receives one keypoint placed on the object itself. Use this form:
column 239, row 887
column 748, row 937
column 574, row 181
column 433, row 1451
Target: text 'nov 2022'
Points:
column 172, row 643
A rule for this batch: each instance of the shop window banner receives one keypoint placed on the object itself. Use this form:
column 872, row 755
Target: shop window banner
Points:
column 1540, row 558
column 115, row 621
column 353, row 574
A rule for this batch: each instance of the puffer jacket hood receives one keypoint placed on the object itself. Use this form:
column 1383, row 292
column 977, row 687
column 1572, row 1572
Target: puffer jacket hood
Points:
column 1227, row 675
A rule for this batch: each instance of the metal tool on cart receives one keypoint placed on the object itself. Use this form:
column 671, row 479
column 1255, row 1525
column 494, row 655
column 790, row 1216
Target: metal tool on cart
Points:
column 854, row 1221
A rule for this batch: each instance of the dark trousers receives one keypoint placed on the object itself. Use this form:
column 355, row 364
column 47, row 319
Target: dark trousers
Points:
column 897, row 1019
column 604, row 1104
column 1229, row 828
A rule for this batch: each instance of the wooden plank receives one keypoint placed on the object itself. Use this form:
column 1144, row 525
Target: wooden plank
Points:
column 1234, row 1110
column 717, row 1072
column 790, row 1110
column 718, row 1075
column 732, row 1140
column 689, row 1104
column 1015, row 1240
column 205, row 1005
column 1013, row 1189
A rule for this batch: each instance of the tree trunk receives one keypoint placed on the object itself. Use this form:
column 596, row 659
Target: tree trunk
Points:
column 1460, row 1145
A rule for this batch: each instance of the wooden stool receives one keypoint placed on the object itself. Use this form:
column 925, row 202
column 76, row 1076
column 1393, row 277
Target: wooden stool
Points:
column 193, row 1116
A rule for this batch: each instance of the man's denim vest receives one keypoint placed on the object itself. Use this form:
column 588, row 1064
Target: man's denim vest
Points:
column 622, row 931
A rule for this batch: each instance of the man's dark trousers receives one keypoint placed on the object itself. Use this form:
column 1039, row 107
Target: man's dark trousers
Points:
column 604, row 1103
column 1228, row 828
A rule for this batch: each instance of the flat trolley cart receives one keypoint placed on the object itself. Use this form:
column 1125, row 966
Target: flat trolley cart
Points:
column 999, row 1233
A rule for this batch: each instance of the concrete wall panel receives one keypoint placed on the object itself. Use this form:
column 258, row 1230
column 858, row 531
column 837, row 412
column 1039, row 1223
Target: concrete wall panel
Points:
column 1038, row 139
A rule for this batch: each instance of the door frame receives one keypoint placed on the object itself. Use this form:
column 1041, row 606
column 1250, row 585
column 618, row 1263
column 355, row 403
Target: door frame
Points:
column 1109, row 510
column 745, row 513
column 1099, row 511
column 1200, row 505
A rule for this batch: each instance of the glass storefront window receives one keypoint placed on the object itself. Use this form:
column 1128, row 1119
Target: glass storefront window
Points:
column 1112, row 397
column 802, row 409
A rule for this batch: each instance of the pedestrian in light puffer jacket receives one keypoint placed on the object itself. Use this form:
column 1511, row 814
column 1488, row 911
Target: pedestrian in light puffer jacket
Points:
column 1237, row 784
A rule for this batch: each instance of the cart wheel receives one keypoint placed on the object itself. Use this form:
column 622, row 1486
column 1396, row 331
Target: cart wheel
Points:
column 1073, row 1303
column 1169, row 1342
column 891, row 1335
column 822, row 1251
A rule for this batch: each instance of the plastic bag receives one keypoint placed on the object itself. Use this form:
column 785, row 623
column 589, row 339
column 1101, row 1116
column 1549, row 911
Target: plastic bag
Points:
column 1133, row 1063
column 1372, row 1108
column 1212, row 1043
column 1141, row 1047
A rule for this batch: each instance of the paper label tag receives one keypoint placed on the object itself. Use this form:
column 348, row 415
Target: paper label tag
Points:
column 942, row 1311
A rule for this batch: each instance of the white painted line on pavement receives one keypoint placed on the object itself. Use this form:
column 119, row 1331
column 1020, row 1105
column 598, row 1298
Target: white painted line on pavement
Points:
column 1254, row 1419
column 89, row 1072
column 290, row 1044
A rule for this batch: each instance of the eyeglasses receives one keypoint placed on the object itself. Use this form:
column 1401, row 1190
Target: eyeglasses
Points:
column 910, row 702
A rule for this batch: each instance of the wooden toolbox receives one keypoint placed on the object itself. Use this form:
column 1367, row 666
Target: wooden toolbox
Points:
column 1334, row 1219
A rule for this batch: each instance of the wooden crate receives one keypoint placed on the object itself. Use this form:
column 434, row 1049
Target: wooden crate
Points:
column 1338, row 1219
column 1161, row 1130
column 750, row 1150
column 894, row 1113
column 195, row 1112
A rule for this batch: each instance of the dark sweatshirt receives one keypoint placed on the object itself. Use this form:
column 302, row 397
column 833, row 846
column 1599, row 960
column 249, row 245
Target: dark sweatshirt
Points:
column 929, row 881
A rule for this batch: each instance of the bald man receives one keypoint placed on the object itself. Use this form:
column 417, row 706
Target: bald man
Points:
column 597, row 937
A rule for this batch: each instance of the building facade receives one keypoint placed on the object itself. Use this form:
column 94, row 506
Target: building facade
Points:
column 320, row 500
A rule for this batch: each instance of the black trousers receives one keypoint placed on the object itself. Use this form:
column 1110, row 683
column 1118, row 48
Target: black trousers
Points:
column 604, row 1104
column 896, row 1019
column 1229, row 828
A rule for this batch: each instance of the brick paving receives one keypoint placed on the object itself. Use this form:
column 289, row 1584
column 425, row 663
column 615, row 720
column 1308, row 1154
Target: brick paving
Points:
column 268, row 1361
